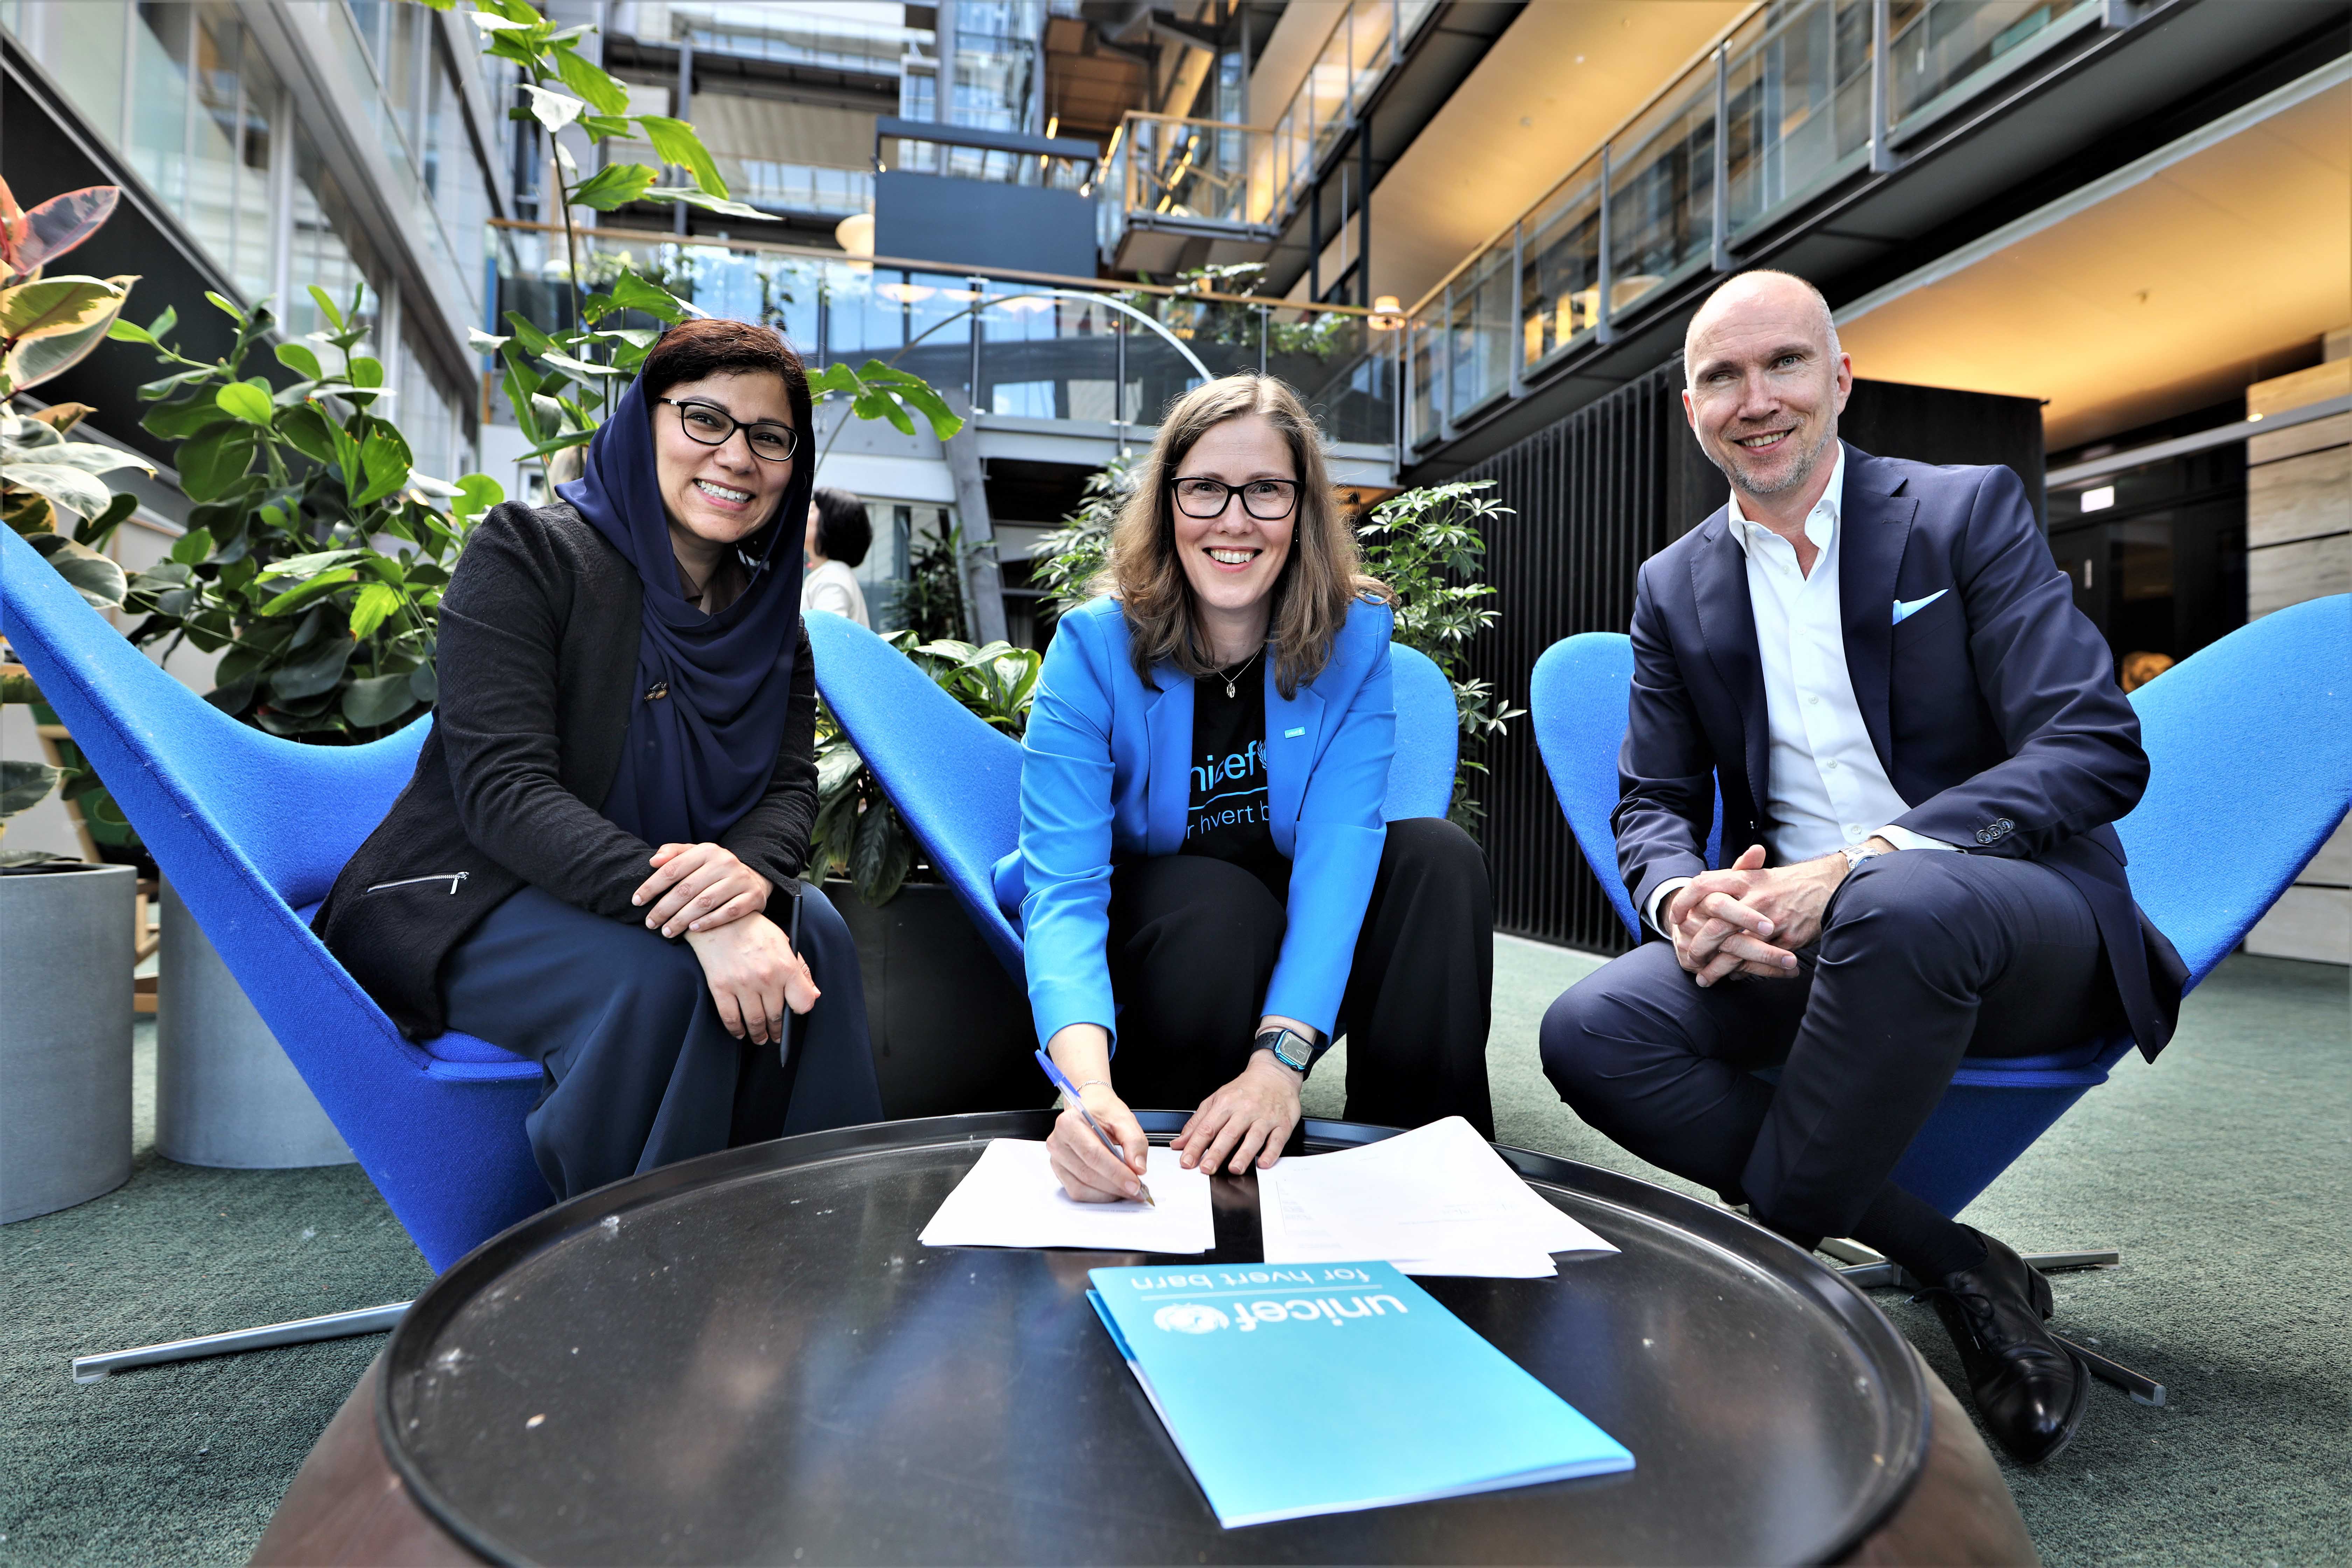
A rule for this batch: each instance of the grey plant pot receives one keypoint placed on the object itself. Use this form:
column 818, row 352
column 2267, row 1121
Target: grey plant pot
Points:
column 950, row 1029
column 225, row 1094
column 65, row 1036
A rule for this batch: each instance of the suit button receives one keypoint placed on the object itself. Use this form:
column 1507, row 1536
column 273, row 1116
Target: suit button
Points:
column 1994, row 832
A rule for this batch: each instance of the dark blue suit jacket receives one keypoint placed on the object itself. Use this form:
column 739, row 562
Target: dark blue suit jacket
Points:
column 1994, row 710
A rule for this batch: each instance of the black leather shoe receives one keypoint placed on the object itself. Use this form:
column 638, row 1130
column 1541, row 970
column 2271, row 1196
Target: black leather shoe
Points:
column 2030, row 1388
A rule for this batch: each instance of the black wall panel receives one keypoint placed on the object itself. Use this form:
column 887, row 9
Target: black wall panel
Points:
column 1596, row 495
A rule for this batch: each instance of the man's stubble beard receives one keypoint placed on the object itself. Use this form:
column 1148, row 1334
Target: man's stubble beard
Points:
column 1798, row 473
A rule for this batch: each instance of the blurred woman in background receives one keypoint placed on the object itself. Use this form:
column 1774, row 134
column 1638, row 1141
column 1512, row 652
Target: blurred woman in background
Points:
column 838, row 537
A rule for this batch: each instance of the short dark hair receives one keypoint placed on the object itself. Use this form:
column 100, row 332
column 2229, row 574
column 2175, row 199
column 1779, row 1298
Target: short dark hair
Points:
column 692, row 350
column 843, row 532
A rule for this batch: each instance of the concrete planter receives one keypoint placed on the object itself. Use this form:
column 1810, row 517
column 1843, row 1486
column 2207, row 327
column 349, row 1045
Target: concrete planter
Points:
column 952, row 1030
column 225, row 1093
column 64, row 1035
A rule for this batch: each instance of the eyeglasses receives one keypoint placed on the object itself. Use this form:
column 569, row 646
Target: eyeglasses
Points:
column 711, row 425
column 1268, row 500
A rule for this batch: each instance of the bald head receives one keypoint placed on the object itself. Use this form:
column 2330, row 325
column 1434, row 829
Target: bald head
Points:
column 1763, row 383
column 1777, row 296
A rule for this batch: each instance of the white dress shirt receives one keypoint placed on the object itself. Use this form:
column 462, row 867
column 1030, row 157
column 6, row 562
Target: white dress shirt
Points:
column 833, row 586
column 1824, row 785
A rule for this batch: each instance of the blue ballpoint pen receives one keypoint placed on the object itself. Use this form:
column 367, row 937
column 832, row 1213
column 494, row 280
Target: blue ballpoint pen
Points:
column 1070, row 1090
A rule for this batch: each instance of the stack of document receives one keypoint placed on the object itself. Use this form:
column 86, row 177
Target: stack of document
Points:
column 1012, row 1198
column 1437, row 1200
column 1294, row 1392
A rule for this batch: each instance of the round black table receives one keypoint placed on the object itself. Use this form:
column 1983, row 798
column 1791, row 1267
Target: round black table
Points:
column 748, row 1358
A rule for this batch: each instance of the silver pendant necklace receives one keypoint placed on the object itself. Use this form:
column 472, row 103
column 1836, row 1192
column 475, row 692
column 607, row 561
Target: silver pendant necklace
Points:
column 1233, row 679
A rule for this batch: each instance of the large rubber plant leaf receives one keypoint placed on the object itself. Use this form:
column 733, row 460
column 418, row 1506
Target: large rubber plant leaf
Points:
column 95, row 577
column 40, row 235
column 35, row 360
column 47, row 307
column 65, row 486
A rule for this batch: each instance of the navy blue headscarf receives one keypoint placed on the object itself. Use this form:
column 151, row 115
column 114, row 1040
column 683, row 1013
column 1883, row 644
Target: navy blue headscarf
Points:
column 696, row 759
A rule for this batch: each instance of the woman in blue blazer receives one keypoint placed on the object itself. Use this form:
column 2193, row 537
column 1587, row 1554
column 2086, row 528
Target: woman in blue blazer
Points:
column 1205, row 883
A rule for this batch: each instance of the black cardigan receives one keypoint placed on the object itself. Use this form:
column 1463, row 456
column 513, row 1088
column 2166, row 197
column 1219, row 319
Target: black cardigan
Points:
column 537, row 646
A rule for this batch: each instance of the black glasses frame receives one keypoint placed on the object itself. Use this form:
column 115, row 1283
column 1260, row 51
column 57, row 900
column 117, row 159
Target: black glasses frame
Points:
column 791, row 436
column 1226, row 493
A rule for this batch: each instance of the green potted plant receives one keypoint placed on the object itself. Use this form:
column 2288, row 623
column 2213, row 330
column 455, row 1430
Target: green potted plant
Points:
column 952, row 1030
column 65, row 924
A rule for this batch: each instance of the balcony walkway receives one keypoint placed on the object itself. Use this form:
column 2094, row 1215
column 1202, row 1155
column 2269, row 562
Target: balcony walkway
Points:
column 2225, row 1178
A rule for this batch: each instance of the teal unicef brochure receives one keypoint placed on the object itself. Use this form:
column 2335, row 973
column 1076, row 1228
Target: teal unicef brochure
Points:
column 1384, row 1396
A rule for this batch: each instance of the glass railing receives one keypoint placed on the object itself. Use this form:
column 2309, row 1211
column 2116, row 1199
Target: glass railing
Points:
column 1164, row 171
column 1775, row 112
column 1076, row 350
column 787, row 35
column 1366, row 39
column 1937, row 49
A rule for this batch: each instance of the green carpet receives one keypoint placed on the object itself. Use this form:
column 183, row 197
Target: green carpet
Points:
column 2221, row 1175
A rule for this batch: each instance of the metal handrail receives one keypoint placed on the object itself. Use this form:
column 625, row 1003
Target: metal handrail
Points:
column 1096, row 286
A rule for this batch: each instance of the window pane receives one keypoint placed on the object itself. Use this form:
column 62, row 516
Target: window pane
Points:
column 1559, row 277
column 1662, row 189
column 255, row 217
column 211, row 209
column 1800, row 100
column 84, row 46
column 327, row 249
column 158, row 102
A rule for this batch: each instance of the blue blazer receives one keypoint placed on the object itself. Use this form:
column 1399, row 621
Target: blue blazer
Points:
column 1992, row 706
column 1107, row 774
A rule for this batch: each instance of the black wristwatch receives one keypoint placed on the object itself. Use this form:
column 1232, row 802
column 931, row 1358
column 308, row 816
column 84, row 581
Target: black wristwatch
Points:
column 1291, row 1048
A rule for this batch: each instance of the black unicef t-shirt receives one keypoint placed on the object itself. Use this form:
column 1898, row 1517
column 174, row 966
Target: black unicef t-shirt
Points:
column 1227, row 818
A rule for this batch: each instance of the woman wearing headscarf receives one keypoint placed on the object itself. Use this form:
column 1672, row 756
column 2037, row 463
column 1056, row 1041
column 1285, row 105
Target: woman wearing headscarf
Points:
column 595, row 863
column 1205, row 880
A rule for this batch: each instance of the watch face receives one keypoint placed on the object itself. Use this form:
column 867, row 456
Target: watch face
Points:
column 1291, row 1051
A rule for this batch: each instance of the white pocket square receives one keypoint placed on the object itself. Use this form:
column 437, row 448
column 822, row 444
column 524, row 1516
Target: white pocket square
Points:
column 1904, row 611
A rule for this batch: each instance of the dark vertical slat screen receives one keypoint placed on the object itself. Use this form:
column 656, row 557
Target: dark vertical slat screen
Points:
column 1591, row 499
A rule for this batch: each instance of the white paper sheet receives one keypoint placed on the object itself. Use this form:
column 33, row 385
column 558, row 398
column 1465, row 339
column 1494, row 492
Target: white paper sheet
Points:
column 1437, row 1200
column 1011, row 1198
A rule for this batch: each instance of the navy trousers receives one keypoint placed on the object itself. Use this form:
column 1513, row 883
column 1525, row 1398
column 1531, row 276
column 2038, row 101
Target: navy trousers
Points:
column 639, row 1072
column 1925, row 957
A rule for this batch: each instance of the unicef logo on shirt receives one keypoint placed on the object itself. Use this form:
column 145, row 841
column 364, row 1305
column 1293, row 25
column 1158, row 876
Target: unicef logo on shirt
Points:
column 1188, row 1317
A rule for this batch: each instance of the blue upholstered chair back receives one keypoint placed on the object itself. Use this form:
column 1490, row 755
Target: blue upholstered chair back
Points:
column 1428, row 737
column 1577, row 698
column 2250, row 746
column 957, row 782
column 250, row 828
column 2250, row 751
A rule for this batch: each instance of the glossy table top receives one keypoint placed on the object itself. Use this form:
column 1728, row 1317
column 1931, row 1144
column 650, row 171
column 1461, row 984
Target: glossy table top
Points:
column 748, row 1358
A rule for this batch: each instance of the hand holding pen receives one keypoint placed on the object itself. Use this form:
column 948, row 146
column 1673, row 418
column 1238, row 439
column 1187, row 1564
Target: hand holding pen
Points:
column 1078, row 1157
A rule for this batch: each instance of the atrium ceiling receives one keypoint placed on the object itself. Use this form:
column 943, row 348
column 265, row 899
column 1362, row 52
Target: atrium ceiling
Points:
column 2168, row 295
column 1563, row 76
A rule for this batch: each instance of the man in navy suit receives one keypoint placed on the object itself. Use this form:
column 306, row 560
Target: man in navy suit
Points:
column 1922, row 744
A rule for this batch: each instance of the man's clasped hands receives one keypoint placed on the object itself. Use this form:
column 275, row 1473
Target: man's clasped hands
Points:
column 1750, row 919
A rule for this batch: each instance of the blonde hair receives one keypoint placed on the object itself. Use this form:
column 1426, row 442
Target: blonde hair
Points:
column 1322, row 576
